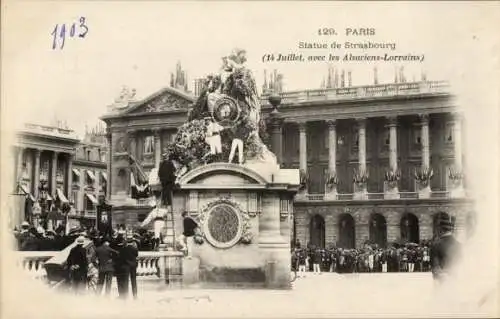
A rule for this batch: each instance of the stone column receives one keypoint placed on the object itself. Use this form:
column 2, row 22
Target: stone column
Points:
column 276, row 123
column 19, row 165
column 157, row 136
column 303, row 154
column 53, row 174
column 391, row 190
column 110, row 159
column 69, row 176
column 36, row 169
column 424, row 188
column 456, row 178
column 331, row 184
column 360, row 190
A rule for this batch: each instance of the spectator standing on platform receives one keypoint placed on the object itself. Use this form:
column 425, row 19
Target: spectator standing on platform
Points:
column 78, row 265
column 302, row 256
column 105, row 257
column 189, row 231
column 166, row 174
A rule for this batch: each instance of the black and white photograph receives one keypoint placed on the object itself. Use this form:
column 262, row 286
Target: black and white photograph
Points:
column 227, row 159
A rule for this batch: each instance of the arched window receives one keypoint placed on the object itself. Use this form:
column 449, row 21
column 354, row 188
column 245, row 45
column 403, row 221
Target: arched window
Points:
column 317, row 231
column 410, row 228
column 347, row 232
column 378, row 230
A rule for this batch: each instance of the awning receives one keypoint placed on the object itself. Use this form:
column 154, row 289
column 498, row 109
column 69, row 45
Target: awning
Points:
column 61, row 196
column 92, row 198
column 91, row 175
column 76, row 172
column 104, row 176
column 24, row 189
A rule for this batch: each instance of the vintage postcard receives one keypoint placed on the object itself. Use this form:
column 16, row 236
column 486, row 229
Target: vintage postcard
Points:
column 234, row 159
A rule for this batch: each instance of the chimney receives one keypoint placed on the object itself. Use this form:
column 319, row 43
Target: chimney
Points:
column 264, row 86
column 396, row 74
column 172, row 80
column 375, row 76
column 402, row 77
column 329, row 79
column 336, row 83
column 423, row 76
column 349, row 78
column 342, row 79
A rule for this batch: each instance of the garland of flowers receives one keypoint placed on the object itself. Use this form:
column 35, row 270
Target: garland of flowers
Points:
column 332, row 180
column 360, row 177
column 304, row 179
column 392, row 177
column 423, row 175
column 455, row 176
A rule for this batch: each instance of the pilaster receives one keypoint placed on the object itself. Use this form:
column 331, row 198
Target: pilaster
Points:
column 361, row 175
column 391, row 178
column 331, row 179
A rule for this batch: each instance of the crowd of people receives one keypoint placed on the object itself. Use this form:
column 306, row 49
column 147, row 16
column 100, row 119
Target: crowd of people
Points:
column 398, row 258
column 108, row 258
column 31, row 238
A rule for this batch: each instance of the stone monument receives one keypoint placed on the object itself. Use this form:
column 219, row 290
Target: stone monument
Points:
column 244, row 210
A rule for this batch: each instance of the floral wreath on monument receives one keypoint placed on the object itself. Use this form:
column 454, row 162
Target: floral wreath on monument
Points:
column 246, row 233
column 229, row 99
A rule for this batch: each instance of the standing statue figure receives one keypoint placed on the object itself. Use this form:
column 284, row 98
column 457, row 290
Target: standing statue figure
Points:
column 230, row 99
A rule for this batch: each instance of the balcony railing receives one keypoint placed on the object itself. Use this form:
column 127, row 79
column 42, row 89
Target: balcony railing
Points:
column 361, row 92
column 373, row 196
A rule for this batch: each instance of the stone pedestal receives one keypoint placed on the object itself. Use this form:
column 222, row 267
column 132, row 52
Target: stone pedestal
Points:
column 360, row 191
column 331, row 193
column 457, row 190
column 424, row 191
column 246, row 244
column 391, row 191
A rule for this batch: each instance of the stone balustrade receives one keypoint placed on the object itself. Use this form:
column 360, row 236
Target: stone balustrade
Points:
column 32, row 262
column 149, row 264
column 367, row 91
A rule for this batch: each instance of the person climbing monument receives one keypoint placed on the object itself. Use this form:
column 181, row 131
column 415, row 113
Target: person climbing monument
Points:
column 167, row 176
column 213, row 136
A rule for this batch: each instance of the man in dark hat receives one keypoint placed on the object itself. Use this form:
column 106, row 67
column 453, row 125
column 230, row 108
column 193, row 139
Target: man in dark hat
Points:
column 167, row 176
column 126, row 267
column 78, row 265
column 445, row 251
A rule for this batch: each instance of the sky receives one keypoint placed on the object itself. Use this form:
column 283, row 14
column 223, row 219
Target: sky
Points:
column 138, row 45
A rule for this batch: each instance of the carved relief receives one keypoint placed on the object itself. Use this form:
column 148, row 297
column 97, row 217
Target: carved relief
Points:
column 165, row 102
column 121, row 145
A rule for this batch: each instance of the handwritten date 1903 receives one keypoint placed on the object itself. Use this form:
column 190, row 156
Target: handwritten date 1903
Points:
column 61, row 32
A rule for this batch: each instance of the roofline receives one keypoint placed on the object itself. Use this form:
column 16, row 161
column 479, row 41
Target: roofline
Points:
column 147, row 99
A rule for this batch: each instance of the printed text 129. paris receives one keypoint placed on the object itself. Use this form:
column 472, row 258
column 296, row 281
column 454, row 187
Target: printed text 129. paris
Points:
column 62, row 32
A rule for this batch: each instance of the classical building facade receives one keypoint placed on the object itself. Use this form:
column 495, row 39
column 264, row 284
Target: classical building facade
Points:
column 378, row 162
column 89, row 173
column 54, row 167
column 43, row 162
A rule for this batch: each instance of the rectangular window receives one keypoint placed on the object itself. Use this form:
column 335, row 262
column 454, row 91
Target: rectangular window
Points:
column 149, row 144
column 417, row 135
column 449, row 138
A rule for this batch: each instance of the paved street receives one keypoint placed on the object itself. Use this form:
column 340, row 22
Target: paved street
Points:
column 326, row 295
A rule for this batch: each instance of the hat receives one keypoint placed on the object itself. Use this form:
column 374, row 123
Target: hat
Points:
column 25, row 224
column 40, row 230
column 80, row 240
